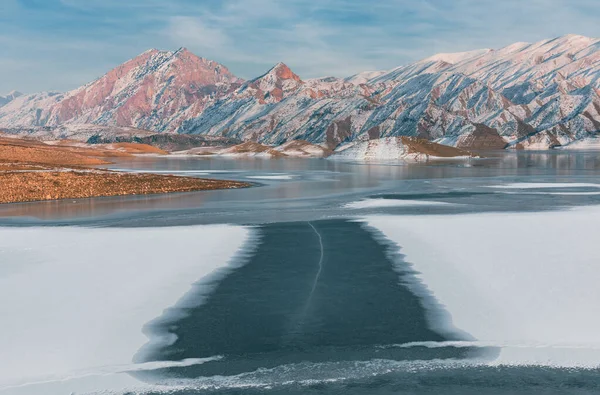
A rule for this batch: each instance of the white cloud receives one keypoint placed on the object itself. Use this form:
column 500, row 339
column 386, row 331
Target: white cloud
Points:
column 194, row 32
column 315, row 38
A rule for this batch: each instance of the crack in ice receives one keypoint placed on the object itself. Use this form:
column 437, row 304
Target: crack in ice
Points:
column 298, row 322
column 314, row 286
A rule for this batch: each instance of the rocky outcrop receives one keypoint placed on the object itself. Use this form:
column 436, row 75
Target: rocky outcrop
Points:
column 249, row 149
column 303, row 149
column 481, row 137
column 398, row 149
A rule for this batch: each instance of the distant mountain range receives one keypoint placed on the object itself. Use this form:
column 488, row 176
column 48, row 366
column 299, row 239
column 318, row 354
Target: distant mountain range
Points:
column 532, row 96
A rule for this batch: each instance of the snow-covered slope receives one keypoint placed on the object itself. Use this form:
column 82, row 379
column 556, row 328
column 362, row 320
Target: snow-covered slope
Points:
column 80, row 132
column 10, row 97
column 533, row 96
column 364, row 77
column 389, row 148
column 539, row 95
column 456, row 57
column 302, row 148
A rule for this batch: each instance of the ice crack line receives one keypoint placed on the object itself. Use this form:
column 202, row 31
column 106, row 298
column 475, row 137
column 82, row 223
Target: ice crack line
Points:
column 315, row 282
column 299, row 319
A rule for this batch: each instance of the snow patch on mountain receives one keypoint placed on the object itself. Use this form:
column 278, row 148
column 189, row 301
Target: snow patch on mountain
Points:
column 364, row 77
column 457, row 57
column 10, row 97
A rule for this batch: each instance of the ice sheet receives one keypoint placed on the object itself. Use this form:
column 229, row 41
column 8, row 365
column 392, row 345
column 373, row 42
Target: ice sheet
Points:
column 272, row 177
column 544, row 185
column 381, row 203
column 528, row 281
column 74, row 299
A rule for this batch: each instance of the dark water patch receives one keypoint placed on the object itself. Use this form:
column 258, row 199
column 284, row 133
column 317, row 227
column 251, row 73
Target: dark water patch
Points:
column 312, row 292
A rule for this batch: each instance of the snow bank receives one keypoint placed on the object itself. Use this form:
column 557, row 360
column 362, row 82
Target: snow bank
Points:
column 388, row 148
column 527, row 282
column 592, row 144
column 272, row 177
column 544, row 185
column 381, row 203
column 75, row 300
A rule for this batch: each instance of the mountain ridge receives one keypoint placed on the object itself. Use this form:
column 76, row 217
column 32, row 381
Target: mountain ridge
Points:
column 525, row 95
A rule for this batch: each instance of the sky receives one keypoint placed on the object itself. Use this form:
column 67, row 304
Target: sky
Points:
column 59, row 45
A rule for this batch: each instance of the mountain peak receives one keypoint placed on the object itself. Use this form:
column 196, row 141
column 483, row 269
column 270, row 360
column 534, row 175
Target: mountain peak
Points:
column 572, row 36
column 150, row 51
column 457, row 57
column 10, row 97
column 184, row 51
column 275, row 84
column 282, row 72
column 575, row 41
column 14, row 94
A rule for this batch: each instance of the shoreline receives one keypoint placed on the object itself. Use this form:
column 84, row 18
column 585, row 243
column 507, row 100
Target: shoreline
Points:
column 32, row 171
column 67, row 183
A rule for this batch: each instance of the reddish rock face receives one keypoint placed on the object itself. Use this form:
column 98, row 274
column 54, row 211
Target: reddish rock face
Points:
column 147, row 91
column 482, row 138
column 283, row 72
column 273, row 86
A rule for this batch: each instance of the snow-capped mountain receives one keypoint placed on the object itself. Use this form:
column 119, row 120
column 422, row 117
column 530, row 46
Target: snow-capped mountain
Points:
column 525, row 95
column 538, row 95
column 156, row 91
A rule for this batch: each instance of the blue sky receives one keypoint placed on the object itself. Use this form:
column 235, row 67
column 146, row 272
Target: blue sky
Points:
column 62, row 44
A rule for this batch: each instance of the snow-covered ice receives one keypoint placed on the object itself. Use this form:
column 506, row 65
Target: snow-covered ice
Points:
column 198, row 172
column 272, row 177
column 552, row 193
column 527, row 282
column 382, row 203
column 75, row 300
column 544, row 185
column 584, row 144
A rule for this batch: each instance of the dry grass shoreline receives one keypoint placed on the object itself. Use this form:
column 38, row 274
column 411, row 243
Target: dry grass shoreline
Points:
column 34, row 171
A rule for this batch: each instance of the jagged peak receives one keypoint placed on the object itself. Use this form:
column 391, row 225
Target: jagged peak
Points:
column 280, row 65
column 186, row 52
column 149, row 51
column 280, row 71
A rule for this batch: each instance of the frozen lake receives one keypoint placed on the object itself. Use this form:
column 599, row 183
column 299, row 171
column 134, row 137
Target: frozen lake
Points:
column 474, row 277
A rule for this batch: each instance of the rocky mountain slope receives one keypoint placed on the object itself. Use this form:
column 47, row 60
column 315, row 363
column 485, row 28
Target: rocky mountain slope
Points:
column 537, row 95
column 533, row 96
column 154, row 91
